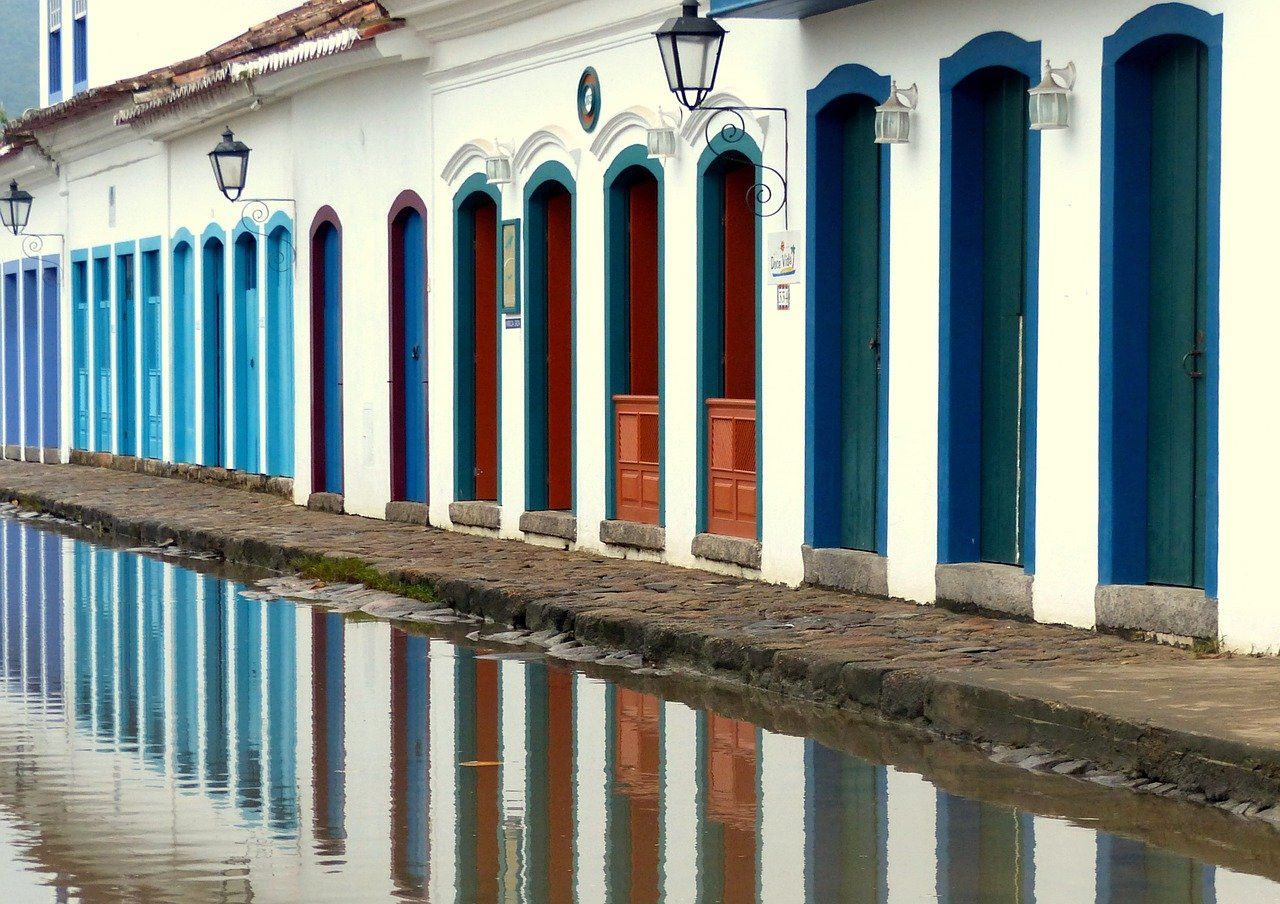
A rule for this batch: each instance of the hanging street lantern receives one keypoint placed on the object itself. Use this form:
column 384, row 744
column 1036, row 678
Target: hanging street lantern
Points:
column 893, row 117
column 1051, row 99
column 497, row 167
column 230, row 161
column 690, row 47
column 15, row 209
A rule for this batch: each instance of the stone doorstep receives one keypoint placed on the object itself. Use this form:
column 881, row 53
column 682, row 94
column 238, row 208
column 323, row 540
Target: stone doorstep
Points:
column 1000, row 588
column 326, row 502
column 13, row 453
column 1184, row 611
column 851, row 570
column 563, row 525
column 634, row 534
column 408, row 512
column 52, row 456
column 476, row 513
column 727, row 550
column 31, row 453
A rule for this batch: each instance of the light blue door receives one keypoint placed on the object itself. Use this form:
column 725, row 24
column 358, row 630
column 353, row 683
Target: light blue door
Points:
column 126, row 356
column 51, row 380
column 12, row 372
column 152, row 408
column 102, row 352
column 214, row 284
column 184, row 355
column 80, row 377
column 279, row 352
column 31, row 356
column 246, row 353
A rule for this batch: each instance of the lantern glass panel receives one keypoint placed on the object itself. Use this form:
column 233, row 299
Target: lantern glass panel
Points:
column 15, row 209
column 229, row 170
column 662, row 143
column 893, row 126
column 497, row 170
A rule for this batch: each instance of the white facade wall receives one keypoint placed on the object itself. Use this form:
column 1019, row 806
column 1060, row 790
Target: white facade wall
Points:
column 355, row 142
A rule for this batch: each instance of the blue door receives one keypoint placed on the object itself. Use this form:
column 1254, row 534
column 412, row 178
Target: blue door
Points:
column 126, row 356
column 413, row 356
column 246, row 353
column 214, row 284
column 80, row 377
column 50, row 434
column 152, row 410
column 31, row 356
column 326, row 350
column 12, row 373
column 184, row 355
column 279, row 351
column 102, row 352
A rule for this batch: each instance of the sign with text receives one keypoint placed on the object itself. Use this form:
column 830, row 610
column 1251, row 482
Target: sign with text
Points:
column 786, row 265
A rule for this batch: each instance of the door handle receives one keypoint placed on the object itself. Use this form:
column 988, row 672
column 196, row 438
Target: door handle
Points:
column 416, row 353
column 1192, row 356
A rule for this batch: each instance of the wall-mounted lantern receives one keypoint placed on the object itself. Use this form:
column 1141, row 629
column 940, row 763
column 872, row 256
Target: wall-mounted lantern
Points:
column 690, row 47
column 1051, row 99
column 893, row 117
column 662, row 140
column 15, row 209
column 230, row 161
column 497, row 166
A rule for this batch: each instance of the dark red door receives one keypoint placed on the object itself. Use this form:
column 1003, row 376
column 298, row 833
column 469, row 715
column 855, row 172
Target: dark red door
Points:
column 559, row 350
column 486, row 352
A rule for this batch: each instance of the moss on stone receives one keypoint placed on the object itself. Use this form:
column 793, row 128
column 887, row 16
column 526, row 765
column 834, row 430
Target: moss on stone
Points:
column 351, row 570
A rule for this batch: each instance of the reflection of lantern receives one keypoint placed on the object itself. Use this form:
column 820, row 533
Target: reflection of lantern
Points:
column 1050, row 100
column 15, row 209
column 893, row 117
column 690, row 47
column 230, row 161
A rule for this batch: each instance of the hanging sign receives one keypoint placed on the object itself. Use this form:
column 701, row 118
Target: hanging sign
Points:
column 589, row 100
column 786, row 265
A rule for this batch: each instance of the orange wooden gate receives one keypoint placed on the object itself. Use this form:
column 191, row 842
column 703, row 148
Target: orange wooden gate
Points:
column 731, row 467
column 637, row 474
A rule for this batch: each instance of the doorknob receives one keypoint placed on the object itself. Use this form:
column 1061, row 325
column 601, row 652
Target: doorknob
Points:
column 415, row 353
column 1192, row 356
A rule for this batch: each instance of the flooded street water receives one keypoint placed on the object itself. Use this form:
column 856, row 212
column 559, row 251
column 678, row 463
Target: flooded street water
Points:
column 168, row 735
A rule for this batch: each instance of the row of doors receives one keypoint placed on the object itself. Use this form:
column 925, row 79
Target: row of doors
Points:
column 30, row 370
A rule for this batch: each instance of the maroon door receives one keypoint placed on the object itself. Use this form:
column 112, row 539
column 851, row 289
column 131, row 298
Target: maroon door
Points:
column 486, row 352
column 559, row 246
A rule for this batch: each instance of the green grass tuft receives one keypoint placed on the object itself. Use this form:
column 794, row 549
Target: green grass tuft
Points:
column 350, row 570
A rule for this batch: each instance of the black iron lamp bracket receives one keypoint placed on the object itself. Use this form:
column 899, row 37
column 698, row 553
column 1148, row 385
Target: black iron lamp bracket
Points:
column 255, row 212
column 764, row 198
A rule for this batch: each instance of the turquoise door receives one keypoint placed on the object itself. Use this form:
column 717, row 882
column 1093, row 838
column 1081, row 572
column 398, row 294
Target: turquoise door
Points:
column 184, row 355
column 1004, row 191
column 279, row 352
column 80, row 375
column 246, row 354
column 860, row 330
column 214, row 285
column 102, row 401
column 152, row 410
column 411, row 279
column 1177, row 434
column 126, row 356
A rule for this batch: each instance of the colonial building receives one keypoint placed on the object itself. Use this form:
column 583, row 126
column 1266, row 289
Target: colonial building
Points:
column 868, row 311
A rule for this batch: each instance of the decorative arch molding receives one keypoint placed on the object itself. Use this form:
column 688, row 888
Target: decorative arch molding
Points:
column 182, row 237
column 464, row 157
column 325, row 215
column 638, row 117
column 547, row 143
column 213, row 231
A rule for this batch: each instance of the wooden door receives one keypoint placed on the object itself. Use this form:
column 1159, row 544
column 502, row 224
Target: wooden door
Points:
column 1004, row 191
column 1177, row 436
column 860, row 330
column 81, row 374
column 31, row 358
column 126, row 356
column 409, row 283
column 246, row 354
column 51, row 380
column 102, row 351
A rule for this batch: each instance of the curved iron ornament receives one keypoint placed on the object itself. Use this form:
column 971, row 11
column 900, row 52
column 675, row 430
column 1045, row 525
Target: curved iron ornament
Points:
column 760, row 196
column 254, row 214
column 33, row 242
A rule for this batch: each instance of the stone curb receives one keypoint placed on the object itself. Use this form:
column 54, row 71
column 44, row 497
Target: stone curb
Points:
column 950, row 704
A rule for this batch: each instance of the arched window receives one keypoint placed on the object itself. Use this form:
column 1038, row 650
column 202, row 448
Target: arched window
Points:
column 326, row 353
column 407, row 259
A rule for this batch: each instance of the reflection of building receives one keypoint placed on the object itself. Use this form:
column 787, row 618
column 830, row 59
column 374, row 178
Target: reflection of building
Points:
column 302, row 756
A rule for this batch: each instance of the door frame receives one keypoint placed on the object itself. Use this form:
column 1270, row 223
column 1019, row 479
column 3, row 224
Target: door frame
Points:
column 408, row 201
column 823, row 423
column 248, row 408
column 959, row 511
column 1122, row 519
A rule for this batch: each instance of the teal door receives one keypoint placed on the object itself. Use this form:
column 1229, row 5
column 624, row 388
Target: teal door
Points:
column 860, row 330
column 81, row 375
column 1004, row 192
column 126, row 355
column 102, row 352
column 152, row 413
column 245, row 353
column 1177, row 435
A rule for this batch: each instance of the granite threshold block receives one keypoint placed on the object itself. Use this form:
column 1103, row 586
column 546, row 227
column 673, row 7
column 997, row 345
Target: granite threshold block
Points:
column 851, row 570
column 985, row 585
column 559, row 524
column 1181, row 611
column 326, row 502
column 727, row 550
column 476, row 513
column 633, row 534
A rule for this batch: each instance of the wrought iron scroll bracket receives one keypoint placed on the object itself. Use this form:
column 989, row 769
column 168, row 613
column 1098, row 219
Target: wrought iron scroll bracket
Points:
column 764, row 199
column 254, row 214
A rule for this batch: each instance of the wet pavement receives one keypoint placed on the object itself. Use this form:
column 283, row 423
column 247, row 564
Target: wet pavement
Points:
column 169, row 731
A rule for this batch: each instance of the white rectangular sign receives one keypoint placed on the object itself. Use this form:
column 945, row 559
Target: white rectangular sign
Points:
column 786, row 260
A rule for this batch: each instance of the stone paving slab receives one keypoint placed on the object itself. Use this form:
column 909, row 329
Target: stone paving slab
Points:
column 1207, row 724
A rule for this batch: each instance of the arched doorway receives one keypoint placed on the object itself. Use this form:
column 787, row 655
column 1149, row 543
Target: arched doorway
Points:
column 326, row 353
column 728, row 329
column 476, row 342
column 550, row 448
column 633, row 318
column 213, row 281
column 1158, row 427
column 408, row 316
column 184, row 350
column 245, row 353
column 279, row 349
column 848, row 323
